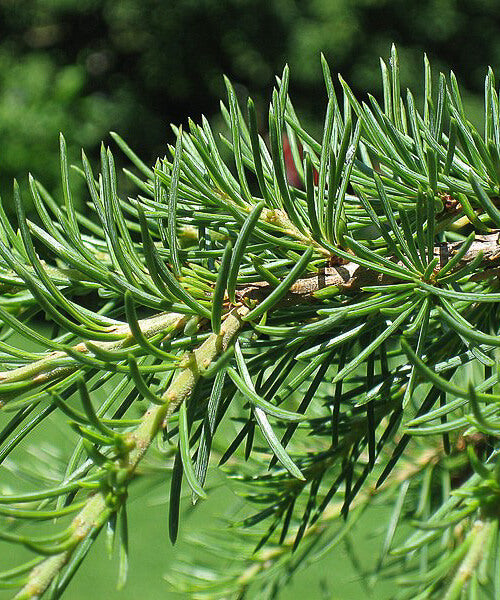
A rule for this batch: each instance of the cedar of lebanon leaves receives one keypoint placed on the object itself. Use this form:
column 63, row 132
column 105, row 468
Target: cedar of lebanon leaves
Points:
column 348, row 326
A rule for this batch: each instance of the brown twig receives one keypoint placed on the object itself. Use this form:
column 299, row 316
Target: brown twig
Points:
column 351, row 277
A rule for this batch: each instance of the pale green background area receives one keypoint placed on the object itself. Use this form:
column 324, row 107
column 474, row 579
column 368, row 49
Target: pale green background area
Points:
column 150, row 551
column 151, row 554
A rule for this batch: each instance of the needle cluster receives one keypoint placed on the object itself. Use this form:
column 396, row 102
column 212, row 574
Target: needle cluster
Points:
column 347, row 326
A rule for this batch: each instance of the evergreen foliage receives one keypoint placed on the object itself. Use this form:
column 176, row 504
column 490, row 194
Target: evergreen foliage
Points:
column 349, row 324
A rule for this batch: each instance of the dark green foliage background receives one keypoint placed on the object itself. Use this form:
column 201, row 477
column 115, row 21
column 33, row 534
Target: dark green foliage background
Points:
column 87, row 66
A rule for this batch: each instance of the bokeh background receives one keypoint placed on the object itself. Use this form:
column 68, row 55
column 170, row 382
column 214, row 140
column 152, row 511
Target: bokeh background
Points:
column 85, row 67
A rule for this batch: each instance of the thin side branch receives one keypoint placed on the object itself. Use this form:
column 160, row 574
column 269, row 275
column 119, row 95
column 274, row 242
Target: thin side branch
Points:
column 96, row 511
column 265, row 557
column 49, row 368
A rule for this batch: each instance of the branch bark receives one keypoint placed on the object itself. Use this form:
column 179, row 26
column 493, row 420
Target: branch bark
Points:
column 351, row 277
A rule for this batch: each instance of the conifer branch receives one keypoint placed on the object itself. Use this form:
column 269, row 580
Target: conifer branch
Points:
column 347, row 278
column 99, row 506
column 344, row 323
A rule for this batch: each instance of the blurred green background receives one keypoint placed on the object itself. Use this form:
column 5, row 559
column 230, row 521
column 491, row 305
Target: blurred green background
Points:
column 85, row 67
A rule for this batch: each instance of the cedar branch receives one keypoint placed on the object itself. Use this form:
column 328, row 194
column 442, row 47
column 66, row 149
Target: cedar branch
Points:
column 96, row 511
column 348, row 278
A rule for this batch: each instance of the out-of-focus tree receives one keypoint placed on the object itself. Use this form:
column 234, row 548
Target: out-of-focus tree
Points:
column 88, row 66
